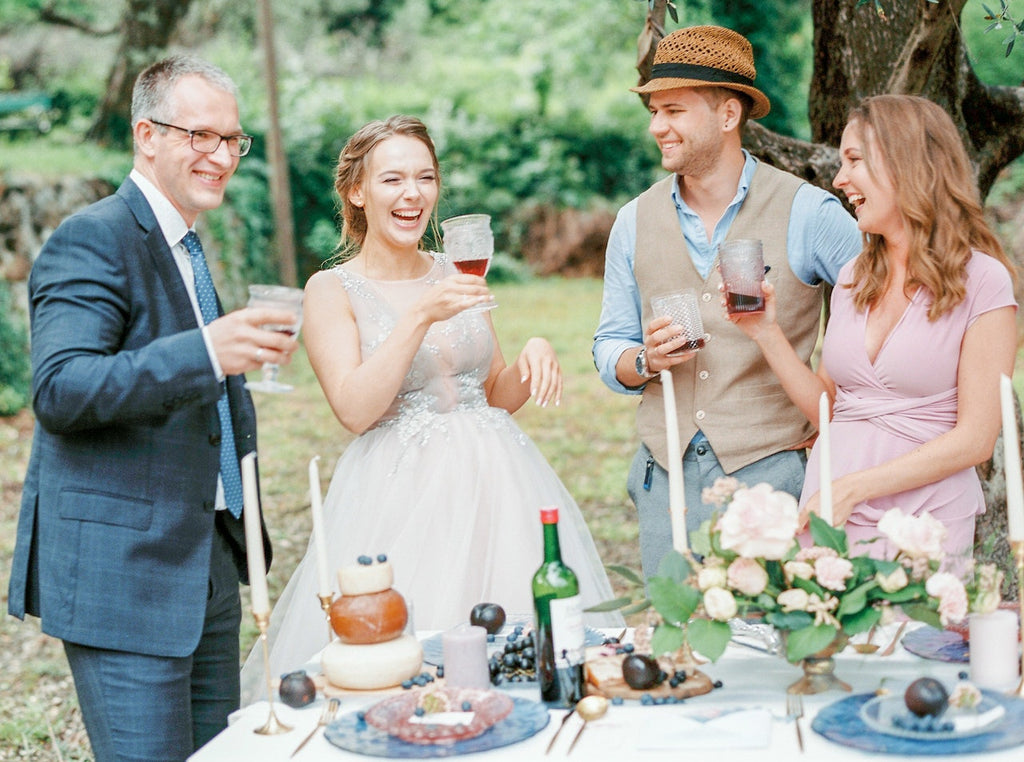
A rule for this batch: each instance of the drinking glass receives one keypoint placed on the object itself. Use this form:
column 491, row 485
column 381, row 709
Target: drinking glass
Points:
column 470, row 244
column 278, row 298
column 741, row 264
column 684, row 309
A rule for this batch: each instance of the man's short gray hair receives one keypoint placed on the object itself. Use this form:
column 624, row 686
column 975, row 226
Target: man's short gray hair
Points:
column 153, row 87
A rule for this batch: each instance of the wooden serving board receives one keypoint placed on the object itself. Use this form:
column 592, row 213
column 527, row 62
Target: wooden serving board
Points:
column 604, row 678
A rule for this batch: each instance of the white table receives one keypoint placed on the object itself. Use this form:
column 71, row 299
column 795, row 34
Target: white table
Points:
column 750, row 680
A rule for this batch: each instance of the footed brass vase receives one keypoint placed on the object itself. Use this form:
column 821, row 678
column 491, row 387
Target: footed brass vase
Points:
column 819, row 670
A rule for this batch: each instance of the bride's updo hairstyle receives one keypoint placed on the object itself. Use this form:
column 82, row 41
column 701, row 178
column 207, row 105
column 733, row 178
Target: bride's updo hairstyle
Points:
column 352, row 164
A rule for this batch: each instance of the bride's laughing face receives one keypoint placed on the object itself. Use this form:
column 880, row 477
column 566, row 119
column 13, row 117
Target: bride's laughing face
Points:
column 398, row 191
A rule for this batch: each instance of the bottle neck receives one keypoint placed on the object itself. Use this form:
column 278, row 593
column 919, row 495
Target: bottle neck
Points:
column 552, row 550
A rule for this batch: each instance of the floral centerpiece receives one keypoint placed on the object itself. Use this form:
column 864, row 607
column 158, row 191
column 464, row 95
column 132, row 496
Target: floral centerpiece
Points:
column 747, row 562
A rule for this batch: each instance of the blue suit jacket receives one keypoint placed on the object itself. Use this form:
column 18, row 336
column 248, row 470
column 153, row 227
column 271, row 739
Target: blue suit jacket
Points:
column 117, row 513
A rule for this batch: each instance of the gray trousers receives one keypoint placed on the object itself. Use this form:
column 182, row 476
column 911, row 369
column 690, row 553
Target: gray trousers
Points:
column 647, row 485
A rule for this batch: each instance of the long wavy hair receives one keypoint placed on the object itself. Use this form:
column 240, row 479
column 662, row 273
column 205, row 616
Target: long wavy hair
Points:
column 937, row 195
column 351, row 170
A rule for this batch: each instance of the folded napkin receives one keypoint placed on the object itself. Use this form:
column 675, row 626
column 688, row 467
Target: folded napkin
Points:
column 710, row 728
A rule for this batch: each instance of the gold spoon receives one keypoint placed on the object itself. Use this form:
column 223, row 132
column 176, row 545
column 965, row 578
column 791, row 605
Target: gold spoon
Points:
column 589, row 708
column 868, row 647
column 896, row 639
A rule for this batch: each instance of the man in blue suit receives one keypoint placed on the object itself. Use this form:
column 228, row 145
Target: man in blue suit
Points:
column 130, row 545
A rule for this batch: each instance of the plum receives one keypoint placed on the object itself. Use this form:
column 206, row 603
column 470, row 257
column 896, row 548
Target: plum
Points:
column 490, row 616
column 640, row 672
column 926, row 697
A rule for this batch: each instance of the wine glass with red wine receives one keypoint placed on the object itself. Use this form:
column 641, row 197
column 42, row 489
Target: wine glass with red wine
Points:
column 278, row 298
column 469, row 243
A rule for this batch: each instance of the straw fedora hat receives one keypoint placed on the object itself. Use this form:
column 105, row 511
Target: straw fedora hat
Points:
column 703, row 56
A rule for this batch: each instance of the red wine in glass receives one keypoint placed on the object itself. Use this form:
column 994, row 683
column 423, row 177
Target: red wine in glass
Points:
column 472, row 266
column 744, row 302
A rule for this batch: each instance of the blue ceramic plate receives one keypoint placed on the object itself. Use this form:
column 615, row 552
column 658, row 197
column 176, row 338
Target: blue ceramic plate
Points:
column 352, row 734
column 941, row 645
column 433, row 647
column 880, row 712
column 842, row 723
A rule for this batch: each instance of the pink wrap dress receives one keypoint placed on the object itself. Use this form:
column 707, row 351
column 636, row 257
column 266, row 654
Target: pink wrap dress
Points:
column 907, row 397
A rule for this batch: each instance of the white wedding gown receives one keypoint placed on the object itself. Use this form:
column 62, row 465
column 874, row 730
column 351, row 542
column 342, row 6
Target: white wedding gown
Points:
column 449, row 488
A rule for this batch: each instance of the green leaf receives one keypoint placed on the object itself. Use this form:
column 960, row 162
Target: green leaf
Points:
column 922, row 612
column 626, row 572
column 802, row 643
column 674, row 601
column 637, row 607
column 855, row 600
column 613, row 605
column 828, row 536
column 862, row 621
column 674, row 566
column 700, row 539
column 912, row 592
column 667, row 638
column 709, row 637
column 791, row 620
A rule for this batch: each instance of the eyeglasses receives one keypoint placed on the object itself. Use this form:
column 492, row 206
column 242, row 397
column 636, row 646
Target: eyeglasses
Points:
column 206, row 141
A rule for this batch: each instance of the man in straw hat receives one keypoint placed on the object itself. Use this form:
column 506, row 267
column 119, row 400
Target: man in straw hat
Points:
column 734, row 417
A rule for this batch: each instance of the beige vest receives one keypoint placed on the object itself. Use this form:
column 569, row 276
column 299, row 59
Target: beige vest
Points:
column 727, row 391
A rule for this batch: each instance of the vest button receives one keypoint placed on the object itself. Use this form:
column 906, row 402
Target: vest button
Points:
column 215, row 440
column 706, row 296
column 699, row 415
column 703, row 375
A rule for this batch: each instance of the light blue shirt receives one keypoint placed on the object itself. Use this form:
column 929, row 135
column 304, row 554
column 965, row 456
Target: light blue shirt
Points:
column 822, row 237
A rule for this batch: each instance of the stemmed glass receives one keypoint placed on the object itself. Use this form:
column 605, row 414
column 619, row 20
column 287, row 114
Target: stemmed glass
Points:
column 278, row 298
column 469, row 243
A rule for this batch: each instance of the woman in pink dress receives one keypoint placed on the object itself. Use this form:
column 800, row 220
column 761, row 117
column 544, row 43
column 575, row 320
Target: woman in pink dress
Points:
column 922, row 324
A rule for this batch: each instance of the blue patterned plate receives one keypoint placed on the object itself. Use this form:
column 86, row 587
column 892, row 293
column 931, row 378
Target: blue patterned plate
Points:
column 843, row 723
column 941, row 645
column 882, row 713
column 352, row 734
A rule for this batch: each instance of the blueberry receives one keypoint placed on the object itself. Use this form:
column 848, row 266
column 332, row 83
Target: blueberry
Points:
column 364, row 560
column 440, row 670
column 466, row 706
column 407, row 684
column 628, row 648
column 616, row 700
column 646, row 699
column 490, row 637
column 962, row 675
column 420, row 711
column 381, row 558
column 717, row 684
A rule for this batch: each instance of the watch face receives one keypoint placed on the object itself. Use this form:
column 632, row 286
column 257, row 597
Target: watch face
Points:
column 641, row 363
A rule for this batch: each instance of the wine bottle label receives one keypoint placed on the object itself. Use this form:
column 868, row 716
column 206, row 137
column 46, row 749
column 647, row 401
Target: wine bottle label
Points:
column 567, row 631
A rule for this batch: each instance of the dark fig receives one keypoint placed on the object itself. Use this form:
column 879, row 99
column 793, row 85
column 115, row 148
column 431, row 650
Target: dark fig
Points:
column 926, row 697
column 640, row 672
column 297, row 689
column 490, row 616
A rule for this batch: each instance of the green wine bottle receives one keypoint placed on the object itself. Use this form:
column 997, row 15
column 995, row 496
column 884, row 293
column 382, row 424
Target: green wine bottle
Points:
column 558, row 613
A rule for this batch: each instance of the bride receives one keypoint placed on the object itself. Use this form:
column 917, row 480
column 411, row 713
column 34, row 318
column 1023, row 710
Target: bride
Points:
column 440, row 478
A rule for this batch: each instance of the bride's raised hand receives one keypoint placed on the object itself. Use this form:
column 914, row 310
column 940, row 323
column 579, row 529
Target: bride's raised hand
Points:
column 538, row 365
column 453, row 294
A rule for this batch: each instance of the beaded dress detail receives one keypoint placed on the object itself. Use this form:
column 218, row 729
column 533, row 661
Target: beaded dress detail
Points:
column 447, row 486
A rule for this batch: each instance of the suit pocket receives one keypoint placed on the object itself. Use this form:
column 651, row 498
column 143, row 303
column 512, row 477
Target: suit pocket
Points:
column 106, row 508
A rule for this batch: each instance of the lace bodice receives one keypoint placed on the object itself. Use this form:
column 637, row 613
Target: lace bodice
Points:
column 451, row 364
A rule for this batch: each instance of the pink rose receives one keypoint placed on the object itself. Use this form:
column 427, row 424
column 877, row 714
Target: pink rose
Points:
column 813, row 553
column 833, row 572
column 951, row 594
column 759, row 523
column 916, row 536
column 719, row 604
column 747, row 576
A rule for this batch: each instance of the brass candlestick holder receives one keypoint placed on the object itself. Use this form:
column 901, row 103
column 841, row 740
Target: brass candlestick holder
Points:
column 272, row 726
column 1018, row 554
column 325, row 604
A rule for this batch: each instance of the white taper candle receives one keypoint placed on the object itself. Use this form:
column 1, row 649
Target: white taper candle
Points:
column 254, row 538
column 676, row 488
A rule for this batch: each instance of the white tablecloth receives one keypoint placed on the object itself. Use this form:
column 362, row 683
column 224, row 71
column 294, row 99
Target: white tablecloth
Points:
column 751, row 680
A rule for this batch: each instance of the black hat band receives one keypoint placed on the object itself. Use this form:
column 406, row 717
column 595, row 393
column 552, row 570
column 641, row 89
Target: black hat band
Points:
column 703, row 73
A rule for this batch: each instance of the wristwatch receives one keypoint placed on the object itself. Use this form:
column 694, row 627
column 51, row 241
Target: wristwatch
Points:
column 641, row 364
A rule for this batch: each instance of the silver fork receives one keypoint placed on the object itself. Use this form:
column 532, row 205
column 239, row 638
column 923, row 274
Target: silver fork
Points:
column 330, row 709
column 795, row 711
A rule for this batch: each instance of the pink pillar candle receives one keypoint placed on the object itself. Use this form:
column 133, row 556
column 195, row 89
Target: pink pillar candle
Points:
column 465, row 657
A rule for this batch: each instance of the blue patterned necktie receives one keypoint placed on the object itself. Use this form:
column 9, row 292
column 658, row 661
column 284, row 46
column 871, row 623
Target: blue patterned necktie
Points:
column 230, row 476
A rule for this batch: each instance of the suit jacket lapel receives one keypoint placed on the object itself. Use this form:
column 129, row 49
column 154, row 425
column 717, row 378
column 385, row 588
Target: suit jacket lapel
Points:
column 159, row 253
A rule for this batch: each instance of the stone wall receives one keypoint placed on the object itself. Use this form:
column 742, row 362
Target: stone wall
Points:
column 31, row 208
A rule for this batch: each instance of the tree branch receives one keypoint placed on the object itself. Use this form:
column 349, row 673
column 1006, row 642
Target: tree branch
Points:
column 52, row 16
column 931, row 34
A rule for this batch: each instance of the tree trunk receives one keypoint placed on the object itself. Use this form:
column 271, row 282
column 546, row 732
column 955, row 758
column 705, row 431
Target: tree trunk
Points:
column 146, row 28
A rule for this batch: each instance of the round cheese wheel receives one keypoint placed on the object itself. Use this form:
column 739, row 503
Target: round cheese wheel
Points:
column 381, row 665
column 369, row 618
column 371, row 578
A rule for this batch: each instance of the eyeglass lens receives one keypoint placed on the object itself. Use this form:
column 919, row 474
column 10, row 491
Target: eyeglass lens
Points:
column 209, row 142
